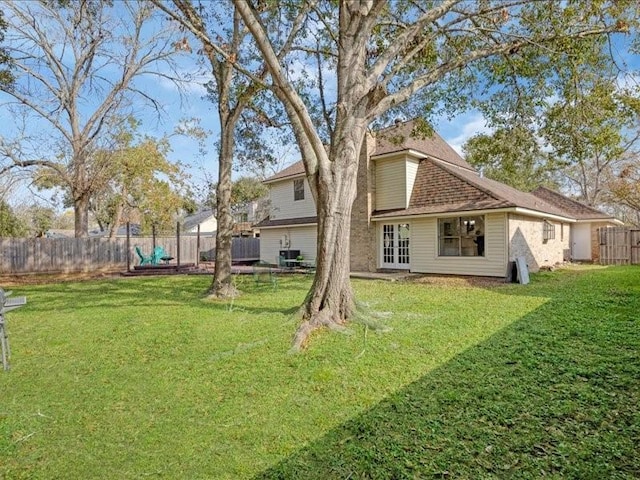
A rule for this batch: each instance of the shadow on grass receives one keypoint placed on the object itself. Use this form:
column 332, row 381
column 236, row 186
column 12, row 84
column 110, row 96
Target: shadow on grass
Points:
column 557, row 393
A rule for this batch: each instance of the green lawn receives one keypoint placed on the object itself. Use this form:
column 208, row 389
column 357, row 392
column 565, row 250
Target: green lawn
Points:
column 138, row 378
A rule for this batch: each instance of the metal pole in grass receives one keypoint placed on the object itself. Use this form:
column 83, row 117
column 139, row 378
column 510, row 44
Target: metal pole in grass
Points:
column 128, row 246
column 198, row 248
column 178, row 242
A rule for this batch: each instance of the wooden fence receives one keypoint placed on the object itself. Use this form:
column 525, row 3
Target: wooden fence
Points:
column 619, row 246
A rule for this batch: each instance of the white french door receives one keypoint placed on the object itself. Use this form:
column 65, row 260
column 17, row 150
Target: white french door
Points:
column 395, row 246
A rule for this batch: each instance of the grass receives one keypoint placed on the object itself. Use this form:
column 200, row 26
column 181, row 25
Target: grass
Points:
column 139, row 378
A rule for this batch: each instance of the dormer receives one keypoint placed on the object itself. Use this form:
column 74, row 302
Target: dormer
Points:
column 395, row 176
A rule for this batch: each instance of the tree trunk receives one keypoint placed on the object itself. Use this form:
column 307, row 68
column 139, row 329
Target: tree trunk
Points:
column 81, row 216
column 330, row 301
column 115, row 222
column 222, row 286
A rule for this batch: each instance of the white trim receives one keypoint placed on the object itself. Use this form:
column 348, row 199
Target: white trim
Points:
column 289, row 225
column 461, row 213
column 601, row 220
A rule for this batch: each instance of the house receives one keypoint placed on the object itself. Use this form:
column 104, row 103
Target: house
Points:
column 421, row 207
column 205, row 219
column 584, row 232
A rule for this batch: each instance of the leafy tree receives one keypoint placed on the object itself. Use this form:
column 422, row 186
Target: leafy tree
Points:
column 77, row 69
column 10, row 224
column 625, row 190
column 243, row 110
column 591, row 130
column 383, row 55
column 139, row 180
column 512, row 155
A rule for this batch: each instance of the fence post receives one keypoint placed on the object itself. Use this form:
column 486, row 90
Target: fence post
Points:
column 178, row 244
column 128, row 247
column 198, row 248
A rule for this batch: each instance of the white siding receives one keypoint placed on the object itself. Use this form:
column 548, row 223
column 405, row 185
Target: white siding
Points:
column 210, row 225
column 391, row 188
column 411, row 171
column 301, row 238
column 424, row 250
column 284, row 206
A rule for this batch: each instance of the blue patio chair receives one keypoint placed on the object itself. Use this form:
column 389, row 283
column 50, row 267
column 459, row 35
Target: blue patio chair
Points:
column 144, row 259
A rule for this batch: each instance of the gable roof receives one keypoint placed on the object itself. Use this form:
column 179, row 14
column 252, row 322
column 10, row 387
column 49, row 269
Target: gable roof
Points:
column 400, row 137
column 397, row 138
column 441, row 188
column 574, row 208
column 294, row 170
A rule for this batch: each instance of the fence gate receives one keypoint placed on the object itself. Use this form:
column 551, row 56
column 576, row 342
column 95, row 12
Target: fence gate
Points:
column 619, row 246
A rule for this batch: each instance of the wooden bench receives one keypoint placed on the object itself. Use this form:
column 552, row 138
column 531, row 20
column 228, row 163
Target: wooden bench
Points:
column 6, row 305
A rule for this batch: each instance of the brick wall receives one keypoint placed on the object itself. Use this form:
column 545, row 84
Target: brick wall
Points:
column 363, row 231
column 526, row 239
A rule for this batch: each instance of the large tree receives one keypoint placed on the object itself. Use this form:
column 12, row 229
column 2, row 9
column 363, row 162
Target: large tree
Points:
column 78, row 67
column 591, row 130
column 382, row 55
column 242, row 111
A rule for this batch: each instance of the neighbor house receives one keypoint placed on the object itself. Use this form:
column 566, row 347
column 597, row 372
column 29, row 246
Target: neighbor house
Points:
column 205, row 219
column 421, row 207
column 584, row 242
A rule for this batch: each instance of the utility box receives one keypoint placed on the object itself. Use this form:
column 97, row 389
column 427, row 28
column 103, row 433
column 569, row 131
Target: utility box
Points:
column 289, row 254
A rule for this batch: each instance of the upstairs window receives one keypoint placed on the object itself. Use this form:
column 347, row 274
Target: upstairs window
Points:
column 298, row 189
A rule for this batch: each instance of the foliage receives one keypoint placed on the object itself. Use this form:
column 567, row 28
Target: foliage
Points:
column 6, row 78
column 626, row 189
column 140, row 182
column 511, row 155
column 490, row 381
column 10, row 225
column 591, row 130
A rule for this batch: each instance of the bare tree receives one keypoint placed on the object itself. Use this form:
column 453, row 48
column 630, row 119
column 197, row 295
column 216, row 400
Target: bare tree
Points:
column 384, row 54
column 78, row 67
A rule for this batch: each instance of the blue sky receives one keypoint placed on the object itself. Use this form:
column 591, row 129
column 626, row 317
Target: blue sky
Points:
column 189, row 102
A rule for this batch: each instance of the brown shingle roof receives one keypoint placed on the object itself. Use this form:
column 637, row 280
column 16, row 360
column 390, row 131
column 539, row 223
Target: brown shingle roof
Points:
column 267, row 222
column 400, row 137
column 293, row 170
column 440, row 188
column 576, row 209
column 396, row 138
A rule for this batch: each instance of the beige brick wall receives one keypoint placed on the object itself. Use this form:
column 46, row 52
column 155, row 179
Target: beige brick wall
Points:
column 363, row 233
column 526, row 239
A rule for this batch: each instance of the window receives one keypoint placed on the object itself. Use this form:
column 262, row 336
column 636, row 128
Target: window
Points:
column 548, row 231
column 461, row 236
column 298, row 189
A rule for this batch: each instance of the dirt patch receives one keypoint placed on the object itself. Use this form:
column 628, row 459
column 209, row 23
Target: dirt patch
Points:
column 454, row 281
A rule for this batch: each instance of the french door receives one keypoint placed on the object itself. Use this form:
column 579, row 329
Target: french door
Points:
column 395, row 246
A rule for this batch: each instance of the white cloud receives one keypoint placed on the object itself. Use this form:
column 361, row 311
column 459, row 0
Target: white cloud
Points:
column 459, row 129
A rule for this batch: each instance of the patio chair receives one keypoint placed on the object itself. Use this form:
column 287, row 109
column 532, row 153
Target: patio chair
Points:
column 264, row 274
column 159, row 254
column 144, row 259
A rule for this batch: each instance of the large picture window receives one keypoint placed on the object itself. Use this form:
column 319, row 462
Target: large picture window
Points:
column 298, row 189
column 461, row 236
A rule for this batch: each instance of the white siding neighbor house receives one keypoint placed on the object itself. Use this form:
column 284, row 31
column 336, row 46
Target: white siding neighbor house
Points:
column 421, row 207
